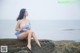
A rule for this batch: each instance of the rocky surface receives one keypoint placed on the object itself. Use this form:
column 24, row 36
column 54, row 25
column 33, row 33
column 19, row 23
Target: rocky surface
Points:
column 19, row 46
column 48, row 46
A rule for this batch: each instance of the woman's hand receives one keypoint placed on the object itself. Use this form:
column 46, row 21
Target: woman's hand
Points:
column 25, row 30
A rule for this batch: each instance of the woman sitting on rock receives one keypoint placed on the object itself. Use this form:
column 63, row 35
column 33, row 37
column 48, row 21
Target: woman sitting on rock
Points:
column 23, row 29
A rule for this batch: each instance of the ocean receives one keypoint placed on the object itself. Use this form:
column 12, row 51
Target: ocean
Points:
column 45, row 29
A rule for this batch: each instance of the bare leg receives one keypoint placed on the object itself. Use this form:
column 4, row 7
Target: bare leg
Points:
column 29, row 39
column 23, row 35
column 36, row 40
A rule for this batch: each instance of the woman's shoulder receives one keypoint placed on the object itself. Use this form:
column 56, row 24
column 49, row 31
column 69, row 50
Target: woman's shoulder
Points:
column 19, row 21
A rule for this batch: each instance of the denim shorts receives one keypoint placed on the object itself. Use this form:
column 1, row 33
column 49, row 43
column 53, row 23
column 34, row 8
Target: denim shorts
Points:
column 17, row 33
column 20, row 31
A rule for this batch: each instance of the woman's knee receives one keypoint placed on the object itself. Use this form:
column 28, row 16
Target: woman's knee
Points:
column 33, row 34
column 29, row 32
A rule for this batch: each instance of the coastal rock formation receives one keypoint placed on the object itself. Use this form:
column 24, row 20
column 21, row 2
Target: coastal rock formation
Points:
column 19, row 46
column 48, row 46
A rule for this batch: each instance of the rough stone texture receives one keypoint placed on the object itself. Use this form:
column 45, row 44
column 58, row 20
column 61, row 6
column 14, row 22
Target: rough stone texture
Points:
column 19, row 46
column 48, row 46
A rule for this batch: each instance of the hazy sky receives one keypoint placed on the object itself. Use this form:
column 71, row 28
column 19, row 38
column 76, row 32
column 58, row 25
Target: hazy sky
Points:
column 39, row 10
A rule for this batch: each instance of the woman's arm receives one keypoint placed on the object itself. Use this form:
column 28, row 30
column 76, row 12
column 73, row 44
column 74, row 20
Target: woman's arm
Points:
column 18, row 26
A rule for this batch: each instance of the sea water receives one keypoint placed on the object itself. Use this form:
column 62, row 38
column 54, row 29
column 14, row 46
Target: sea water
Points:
column 45, row 29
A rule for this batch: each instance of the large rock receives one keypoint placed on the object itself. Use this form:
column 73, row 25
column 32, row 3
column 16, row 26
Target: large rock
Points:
column 67, row 46
column 19, row 46
column 48, row 46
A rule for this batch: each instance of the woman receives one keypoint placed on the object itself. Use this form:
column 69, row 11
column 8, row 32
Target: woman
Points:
column 23, row 29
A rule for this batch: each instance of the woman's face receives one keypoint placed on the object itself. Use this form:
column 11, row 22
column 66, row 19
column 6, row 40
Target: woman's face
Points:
column 26, row 13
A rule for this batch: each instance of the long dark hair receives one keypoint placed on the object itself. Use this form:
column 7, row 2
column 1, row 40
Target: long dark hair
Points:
column 21, row 14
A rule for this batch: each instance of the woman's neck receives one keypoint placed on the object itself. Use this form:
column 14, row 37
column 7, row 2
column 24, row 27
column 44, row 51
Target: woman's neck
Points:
column 24, row 18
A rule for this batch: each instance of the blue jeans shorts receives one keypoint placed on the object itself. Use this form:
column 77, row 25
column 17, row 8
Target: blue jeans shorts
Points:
column 20, row 31
column 17, row 33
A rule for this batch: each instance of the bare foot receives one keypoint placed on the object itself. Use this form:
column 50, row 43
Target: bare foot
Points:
column 29, row 47
column 39, row 45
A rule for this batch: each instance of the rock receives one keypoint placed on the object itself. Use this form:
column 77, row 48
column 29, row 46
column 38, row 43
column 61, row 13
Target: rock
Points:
column 19, row 46
column 67, row 47
column 48, row 46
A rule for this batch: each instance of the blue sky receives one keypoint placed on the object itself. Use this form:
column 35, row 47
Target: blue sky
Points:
column 39, row 10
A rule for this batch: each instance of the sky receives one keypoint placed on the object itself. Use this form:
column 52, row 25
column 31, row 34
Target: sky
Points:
column 39, row 10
